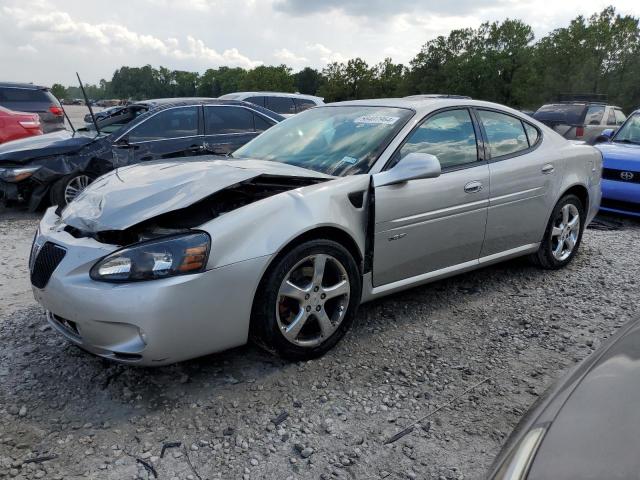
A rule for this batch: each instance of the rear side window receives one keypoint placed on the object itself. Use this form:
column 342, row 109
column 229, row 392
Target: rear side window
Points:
column 620, row 117
column 532, row 133
column 25, row 95
column 505, row 133
column 594, row 115
column 611, row 118
column 282, row 105
column 303, row 104
column 227, row 120
column 255, row 100
column 171, row 123
column 448, row 135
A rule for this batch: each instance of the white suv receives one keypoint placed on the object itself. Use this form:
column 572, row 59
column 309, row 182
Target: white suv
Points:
column 286, row 104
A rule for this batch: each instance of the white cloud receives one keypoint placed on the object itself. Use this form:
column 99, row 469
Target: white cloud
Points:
column 289, row 58
column 326, row 54
column 60, row 27
column 28, row 48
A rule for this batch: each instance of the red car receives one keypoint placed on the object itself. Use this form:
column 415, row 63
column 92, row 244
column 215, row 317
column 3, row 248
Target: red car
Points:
column 15, row 125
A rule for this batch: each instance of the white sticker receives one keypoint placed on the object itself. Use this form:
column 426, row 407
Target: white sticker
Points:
column 349, row 160
column 377, row 119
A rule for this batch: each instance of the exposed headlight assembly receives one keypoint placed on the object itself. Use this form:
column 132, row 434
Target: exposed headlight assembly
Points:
column 516, row 465
column 153, row 259
column 17, row 174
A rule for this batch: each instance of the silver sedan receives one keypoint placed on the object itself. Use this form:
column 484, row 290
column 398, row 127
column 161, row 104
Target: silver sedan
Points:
column 341, row 204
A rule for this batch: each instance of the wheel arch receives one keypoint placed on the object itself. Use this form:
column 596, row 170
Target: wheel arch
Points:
column 581, row 192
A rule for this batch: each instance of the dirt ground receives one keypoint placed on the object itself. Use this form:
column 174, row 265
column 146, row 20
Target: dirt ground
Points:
column 243, row 414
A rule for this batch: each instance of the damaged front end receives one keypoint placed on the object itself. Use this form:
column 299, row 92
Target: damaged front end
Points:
column 184, row 219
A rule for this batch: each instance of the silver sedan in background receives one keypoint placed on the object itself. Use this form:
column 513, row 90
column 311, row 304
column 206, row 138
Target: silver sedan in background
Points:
column 341, row 204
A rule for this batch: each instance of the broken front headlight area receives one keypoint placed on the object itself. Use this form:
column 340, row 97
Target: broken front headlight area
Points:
column 17, row 174
column 154, row 259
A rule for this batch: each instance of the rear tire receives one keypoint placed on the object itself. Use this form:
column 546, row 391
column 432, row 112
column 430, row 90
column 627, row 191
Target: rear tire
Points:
column 307, row 300
column 68, row 187
column 563, row 234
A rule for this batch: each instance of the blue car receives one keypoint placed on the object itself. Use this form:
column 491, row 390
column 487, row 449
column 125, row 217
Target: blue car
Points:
column 621, row 167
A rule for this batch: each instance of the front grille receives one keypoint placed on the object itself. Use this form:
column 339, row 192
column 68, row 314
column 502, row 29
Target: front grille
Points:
column 620, row 205
column 46, row 262
column 621, row 175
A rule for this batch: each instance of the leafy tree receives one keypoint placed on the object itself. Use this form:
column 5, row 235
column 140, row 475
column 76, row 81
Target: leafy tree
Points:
column 308, row 80
column 59, row 91
column 263, row 78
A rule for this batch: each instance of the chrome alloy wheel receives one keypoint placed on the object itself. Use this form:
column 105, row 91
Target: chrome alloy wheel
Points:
column 565, row 232
column 313, row 300
column 75, row 186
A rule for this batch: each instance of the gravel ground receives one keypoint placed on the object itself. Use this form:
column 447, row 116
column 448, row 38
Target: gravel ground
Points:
column 246, row 415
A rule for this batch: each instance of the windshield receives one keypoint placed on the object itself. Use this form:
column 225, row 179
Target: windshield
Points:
column 630, row 131
column 334, row 140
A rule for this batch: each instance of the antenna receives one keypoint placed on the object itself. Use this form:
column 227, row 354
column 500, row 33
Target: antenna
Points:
column 86, row 101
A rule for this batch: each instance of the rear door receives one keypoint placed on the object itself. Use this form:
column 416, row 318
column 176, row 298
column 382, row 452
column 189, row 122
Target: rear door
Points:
column 282, row 105
column 521, row 180
column 228, row 127
column 426, row 225
column 171, row 133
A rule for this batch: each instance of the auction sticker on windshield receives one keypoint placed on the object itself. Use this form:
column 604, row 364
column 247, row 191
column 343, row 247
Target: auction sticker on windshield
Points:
column 377, row 119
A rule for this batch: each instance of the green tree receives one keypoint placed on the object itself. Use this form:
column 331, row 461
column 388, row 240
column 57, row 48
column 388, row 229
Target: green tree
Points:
column 308, row 80
column 268, row 78
column 59, row 91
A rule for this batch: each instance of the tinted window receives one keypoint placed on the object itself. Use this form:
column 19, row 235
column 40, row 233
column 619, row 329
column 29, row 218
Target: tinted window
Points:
column 225, row 120
column 261, row 123
column 25, row 95
column 448, row 135
column 568, row 114
column 255, row 100
column 172, row 123
column 611, row 118
column 283, row 105
column 594, row 115
column 504, row 133
column 303, row 104
column 620, row 117
column 532, row 134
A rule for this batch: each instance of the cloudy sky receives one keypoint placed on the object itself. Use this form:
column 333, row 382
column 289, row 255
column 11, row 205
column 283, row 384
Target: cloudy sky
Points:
column 46, row 41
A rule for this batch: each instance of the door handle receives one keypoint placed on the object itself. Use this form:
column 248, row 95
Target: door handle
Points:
column 473, row 187
column 547, row 169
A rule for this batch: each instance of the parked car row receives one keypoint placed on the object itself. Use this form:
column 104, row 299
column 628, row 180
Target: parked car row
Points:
column 56, row 167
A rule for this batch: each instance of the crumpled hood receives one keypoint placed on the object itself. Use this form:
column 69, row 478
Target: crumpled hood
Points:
column 30, row 148
column 130, row 195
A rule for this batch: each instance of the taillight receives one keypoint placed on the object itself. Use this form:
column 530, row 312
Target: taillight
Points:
column 57, row 111
column 579, row 131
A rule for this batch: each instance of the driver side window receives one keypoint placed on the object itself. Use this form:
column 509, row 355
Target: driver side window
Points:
column 171, row 123
column 448, row 135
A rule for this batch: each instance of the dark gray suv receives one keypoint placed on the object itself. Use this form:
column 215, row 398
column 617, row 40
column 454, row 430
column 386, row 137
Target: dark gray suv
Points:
column 26, row 97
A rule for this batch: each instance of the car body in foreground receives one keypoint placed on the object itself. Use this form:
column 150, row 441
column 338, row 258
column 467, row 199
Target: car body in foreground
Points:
column 586, row 426
column 341, row 204
column 27, row 97
column 286, row 104
column 17, row 125
column 621, row 167
column 57, row 166
column 580, row 120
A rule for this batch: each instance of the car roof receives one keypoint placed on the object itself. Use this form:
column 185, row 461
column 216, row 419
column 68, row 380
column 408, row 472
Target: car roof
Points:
column 424, row 104
column 29, row 86
column 273, row 94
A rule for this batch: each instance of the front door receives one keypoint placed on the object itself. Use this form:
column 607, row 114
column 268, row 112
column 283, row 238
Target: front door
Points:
column 427, row 225
column 170, row 133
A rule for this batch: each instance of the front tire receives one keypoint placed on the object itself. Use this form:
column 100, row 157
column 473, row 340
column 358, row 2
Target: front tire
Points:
column 563, row 234
column 67, row 188
column 307, row 300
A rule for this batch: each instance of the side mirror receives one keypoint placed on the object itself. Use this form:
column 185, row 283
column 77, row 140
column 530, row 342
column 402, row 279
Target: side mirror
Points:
column 414, row 166
column 122, row 143
column 605, row 136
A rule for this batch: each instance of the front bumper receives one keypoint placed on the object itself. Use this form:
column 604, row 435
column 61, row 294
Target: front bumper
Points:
column 156, row 322
column 621, row 197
